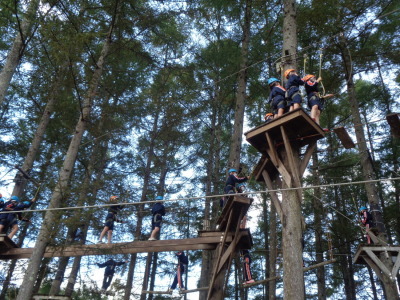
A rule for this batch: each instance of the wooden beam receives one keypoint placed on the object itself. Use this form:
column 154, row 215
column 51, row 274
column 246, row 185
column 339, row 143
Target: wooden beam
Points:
column 157, row 292
column 396, row 266
column 307, row 156
column 344, row 137
column 6, row 243
column 200, row 243
column 321, row 264
column 378, row 262
column 245, row 286
column 194, row 290
column 47, row 297
column 394, row 123
column 374, row 267
column 274, row 196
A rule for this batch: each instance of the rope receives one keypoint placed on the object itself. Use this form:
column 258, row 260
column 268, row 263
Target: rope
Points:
column 217, row 196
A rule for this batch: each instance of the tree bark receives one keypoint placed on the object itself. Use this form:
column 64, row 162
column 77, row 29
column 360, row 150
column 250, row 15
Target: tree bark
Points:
column 273, row 252
column 237, row 136
column 289, row 49
column 64, row 177
column 17, row 49
column 366, row 166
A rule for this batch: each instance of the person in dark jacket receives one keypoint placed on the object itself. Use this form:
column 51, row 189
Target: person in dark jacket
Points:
column 109, row 272
column 158, row 211
column 182, row 264
column 277, row 97
column 292, row 89
column 230, row 184
column 110, row 219
column 2, row 201
column 367, row 221
column 314, row 100
column 15, row 208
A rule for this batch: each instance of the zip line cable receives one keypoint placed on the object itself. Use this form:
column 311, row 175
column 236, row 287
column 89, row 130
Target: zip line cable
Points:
column 214, row 196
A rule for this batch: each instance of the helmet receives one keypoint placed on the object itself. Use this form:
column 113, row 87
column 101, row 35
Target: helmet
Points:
column 113, row 198
column 26, row 202
column 159, row 198
column 14, row 198
column 232, row 170
column 307, row 77
column 286, row 74
column 272, row 80
column 362, row 208
column 268, row 116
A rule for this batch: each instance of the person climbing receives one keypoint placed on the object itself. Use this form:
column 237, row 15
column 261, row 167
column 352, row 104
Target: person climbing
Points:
column 292, row 89
column 367, row 221
column 158, row 211
column 246, row 258
column 315, row 101
column 15, row 208
column 182, row 264
column 110, row 266
column 110, row 219
column 277, row 97
column 231, row 182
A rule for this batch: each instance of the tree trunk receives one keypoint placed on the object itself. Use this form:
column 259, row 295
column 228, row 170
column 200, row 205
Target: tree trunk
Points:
column 146, row 275
column 289, row 49
column 293, row 281
column 17, row 50
column 319, row 231
column 367, row 169
column 64, row 177
column 237, row 136
column 273, row 246
column 153, row 274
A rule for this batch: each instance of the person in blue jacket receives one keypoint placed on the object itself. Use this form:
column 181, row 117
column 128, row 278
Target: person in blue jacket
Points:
column 158, row 211
column 110, row 266
column 292, row 89
column 277, row 97
column 182, row 264
column 15, row 208
column 110, row 219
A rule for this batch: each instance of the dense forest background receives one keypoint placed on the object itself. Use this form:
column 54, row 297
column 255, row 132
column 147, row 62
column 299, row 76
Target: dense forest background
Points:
column 143, row 98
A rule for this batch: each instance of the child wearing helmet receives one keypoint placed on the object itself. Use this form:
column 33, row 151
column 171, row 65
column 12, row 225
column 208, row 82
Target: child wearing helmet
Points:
column 230, row 184
column 110, row 266
column 10, row 220
column 367, row 221
column 277, row 97
column 314, row 101
column 292, row 89
column 110, row 219
column 158, row 211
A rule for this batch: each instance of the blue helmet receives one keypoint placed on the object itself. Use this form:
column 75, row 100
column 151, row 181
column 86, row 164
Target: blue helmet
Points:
column 362, row 208
column 14, row 198
column 232, row 170
column 159, row 198
column 27, row 202
column 272, row 80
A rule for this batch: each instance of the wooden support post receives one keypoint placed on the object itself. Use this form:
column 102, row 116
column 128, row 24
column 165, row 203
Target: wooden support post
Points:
column 274, row 196
column 344, row 137
column 394, row 123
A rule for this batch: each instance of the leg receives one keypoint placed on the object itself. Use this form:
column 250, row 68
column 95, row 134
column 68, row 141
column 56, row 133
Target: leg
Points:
column 1, row 228
column 280, row 113
column 109, row 236
column 243, row 222
column 368, row 237
column 14, row 230
column 107, row 281
column 154, row 232
column 175, row 282
column 248, row 275
column 103, row 233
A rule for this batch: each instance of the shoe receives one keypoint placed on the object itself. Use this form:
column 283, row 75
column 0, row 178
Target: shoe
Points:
column 169, row 291
column 102, row 291
column 325, row 129
column 152, row 239
column 249, row 281
column 181, row 290
column 100, row 242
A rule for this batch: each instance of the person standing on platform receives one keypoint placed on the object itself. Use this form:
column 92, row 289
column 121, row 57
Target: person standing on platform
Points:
column 110, row 219
column 367, row 221
column 314, row 100
column 230, row 184
column 183, row 261
column 246, row 258
column 158, row 211
column 10, row 220
column 110, row 266
column 277, row 98
column 292, row 89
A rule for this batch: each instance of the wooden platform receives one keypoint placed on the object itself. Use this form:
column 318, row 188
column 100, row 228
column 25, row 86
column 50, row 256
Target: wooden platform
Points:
column 370, row 254
column 298, row 124
column 6, row 243
column 207, row 241
column 235, row 204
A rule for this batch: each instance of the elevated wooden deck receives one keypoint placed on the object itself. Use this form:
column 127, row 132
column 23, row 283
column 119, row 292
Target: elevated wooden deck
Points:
column 298, row 125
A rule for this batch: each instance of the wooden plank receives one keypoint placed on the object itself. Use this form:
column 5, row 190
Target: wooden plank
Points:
column 396, row 266
column 193, row 290
column 280, row 166
column 394, row 123
column 274, row 196
column 200, row 243
column 266, row 164
column 298, row 124
column 272, row 150
column 373, row 266
column 321, row 264
column 157, row 292
column 6, row 243
column 245, row 286
column 344, row 137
